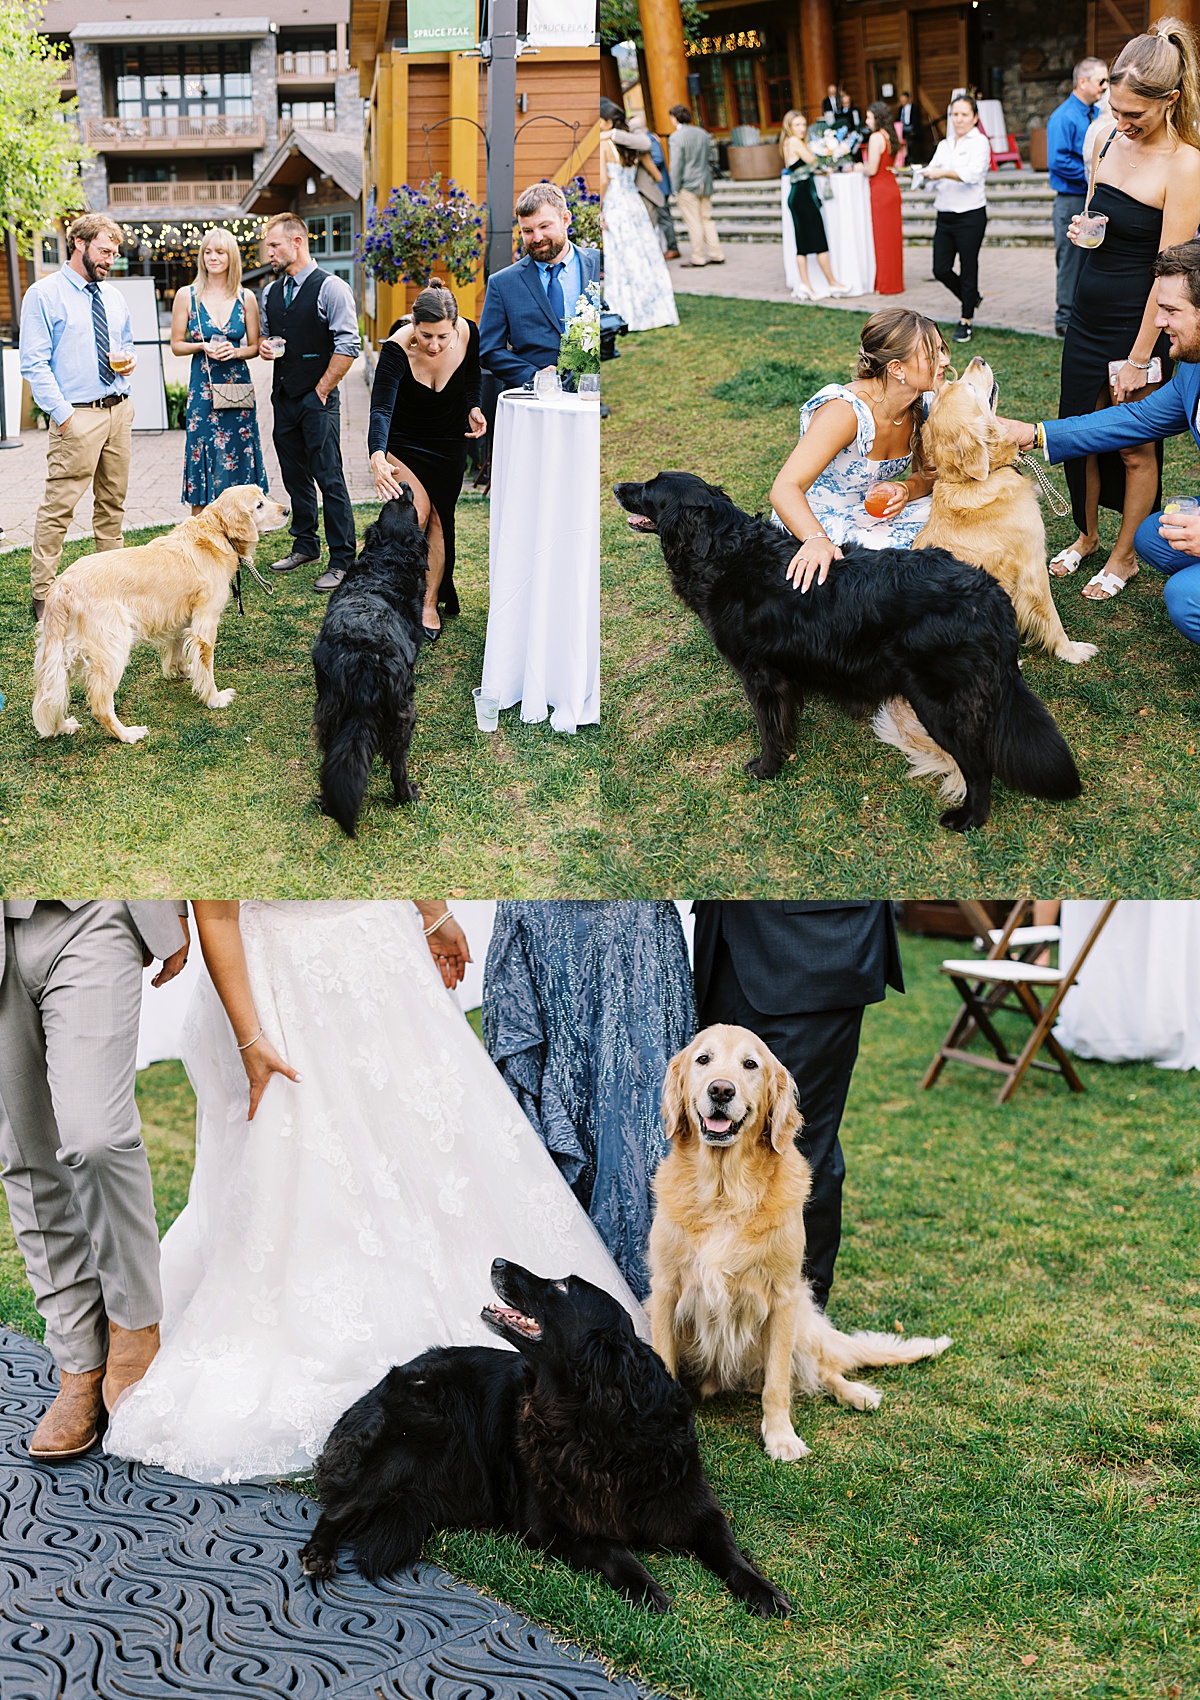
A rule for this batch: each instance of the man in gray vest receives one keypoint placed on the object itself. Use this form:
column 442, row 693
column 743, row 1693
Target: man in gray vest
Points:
column 691, row 173
column 75, row 1170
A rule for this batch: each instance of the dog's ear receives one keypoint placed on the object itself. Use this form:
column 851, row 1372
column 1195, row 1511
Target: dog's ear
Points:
column 675, row 1119
column 783, row 1120
column 235, row 511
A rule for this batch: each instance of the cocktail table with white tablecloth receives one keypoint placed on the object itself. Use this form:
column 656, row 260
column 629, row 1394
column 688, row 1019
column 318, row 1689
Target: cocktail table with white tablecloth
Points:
column 543, row 631
column 849, row 229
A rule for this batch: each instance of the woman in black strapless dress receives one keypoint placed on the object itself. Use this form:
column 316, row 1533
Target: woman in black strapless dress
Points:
column 424, row 408
column 1147, row 184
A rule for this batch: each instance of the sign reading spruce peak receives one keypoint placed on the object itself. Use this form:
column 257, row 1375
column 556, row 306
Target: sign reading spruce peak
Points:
column 441, row 26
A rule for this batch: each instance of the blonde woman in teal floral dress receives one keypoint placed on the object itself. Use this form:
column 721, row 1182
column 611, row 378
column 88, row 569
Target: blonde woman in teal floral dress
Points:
column 216, row 321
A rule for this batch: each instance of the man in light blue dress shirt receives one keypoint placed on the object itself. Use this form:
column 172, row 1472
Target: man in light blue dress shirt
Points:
column 71, row 322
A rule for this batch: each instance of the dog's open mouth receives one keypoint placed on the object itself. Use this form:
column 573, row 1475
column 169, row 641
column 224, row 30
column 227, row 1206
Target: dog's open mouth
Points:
column 718, row 1130
column 641, row 522
column 504, row 1316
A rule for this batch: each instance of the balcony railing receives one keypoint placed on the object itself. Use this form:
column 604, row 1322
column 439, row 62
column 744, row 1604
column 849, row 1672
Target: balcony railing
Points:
column 66, row 76
column 287, row 125
column 225, row 131
column 222, row 194
column 318, row 65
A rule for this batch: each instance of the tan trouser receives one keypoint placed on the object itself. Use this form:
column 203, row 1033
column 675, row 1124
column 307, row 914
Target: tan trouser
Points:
column 94, row 449
column 696, row 212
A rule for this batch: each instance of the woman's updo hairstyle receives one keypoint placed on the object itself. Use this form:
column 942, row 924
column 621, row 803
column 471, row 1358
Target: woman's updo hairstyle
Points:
column 895, row 333
column 433, row 304
column 1156, row 65
column 969, row 98
column 882, row 114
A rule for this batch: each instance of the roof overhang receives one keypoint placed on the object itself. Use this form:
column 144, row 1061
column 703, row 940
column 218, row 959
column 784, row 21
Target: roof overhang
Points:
column 297, row 157
column 178, row 29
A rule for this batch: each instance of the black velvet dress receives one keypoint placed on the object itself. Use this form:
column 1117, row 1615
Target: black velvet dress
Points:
column 425, row 428
column 1110, row 298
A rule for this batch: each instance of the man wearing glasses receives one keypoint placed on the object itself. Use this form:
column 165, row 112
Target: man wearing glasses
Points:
column 1065, row 131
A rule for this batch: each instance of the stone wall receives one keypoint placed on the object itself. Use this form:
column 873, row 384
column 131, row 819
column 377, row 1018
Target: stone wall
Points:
column 1034, row 46
column 349, row 105
column 262, row 80
column 90, row 88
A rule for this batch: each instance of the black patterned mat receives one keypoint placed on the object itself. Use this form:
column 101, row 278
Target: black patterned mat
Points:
column 118, row 1582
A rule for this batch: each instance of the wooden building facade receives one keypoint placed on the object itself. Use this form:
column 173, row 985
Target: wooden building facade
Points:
column 427, row 113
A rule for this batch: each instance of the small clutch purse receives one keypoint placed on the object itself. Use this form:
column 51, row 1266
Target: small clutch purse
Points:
column 226, row 395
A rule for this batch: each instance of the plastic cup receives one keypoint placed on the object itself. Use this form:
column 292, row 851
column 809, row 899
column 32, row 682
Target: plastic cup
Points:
column 122, row 359
column 487, row 709
column 1090, row 230
column 589, row 383
column 877, row 498
column 1181, row 505
column 275, row 345
column 547, row 383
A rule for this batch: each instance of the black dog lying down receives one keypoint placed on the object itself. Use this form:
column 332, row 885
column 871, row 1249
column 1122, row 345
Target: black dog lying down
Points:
column 887, row 623
column 364, row 659
column 580, row 1441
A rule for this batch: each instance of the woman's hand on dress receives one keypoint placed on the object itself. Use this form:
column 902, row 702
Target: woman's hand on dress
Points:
column 449, row 949
column 261, row 1060
column 811, row 561
column 387, row 484
column 477, row 423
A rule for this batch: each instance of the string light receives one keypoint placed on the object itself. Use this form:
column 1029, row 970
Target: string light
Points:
column 182, row 241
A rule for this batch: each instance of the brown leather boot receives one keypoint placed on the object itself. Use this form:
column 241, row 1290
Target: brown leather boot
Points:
column 131, row 1351
column 70, row 1427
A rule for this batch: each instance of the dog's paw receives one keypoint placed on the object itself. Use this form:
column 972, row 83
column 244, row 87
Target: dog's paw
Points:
column 412, row 794
column 760, row 768
column 69, row 726
column 764, row 1599
column 783, row 1444
column 318, row 1564
column 1077, row 652
column 651, row 1596
column 222, row 699
column 860, row 1397
column 134, row 734
column 960, row 819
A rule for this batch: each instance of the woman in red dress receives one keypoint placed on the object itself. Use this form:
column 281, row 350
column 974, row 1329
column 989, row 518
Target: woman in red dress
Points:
column 885, row 202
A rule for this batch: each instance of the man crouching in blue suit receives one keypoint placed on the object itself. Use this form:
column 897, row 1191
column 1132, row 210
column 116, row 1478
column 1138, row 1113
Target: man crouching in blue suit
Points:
column 1168, row 541
column 526, row 307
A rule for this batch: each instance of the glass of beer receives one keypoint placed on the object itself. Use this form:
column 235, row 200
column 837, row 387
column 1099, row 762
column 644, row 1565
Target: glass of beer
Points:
column 122, row 359
column 1090, row 229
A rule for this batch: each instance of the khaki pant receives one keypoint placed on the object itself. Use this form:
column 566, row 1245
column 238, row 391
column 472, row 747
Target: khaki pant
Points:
column 697, row 214
column 94, row 449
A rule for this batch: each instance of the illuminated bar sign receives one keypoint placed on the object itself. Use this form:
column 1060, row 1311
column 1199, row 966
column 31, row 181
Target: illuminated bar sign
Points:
column 441, row 26
column 737, row 41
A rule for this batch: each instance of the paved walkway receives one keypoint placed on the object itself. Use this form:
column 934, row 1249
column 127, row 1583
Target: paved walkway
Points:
column 1017, row 285
column 156, row 475
column 123, row 1583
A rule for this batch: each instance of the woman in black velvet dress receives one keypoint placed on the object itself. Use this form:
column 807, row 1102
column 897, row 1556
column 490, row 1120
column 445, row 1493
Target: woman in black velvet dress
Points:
column 1146, row 172
column 424, row 408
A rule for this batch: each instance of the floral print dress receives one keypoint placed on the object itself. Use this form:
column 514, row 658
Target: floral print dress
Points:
column 836, row 496
column 222, row 446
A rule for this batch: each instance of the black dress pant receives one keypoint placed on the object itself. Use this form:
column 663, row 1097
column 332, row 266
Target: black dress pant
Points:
column 819, row 1051
column 308, row 441
column 960, row 234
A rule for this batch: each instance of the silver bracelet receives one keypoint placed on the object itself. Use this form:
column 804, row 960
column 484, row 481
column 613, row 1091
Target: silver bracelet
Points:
column 1138, row 365
column 433, row 927
column 253, row 1041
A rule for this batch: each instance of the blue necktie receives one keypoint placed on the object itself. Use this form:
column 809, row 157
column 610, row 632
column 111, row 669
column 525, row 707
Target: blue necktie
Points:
column 100, row 326
column 554, row 293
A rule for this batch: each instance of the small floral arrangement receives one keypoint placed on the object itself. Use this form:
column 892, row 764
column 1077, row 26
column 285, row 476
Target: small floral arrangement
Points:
column 431, row 229
column 579, row 350
column 831, row 147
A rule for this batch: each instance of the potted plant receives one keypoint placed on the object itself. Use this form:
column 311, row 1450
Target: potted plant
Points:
column 425, row 231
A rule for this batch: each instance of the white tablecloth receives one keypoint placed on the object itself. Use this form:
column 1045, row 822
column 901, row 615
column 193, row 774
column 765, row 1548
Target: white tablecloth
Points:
column 849, row 229
column 1138, row 994
column 543, row 632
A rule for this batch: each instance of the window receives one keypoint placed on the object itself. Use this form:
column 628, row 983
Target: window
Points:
column 745, row 92
column 174, row 78
column 712, row 95
column 308, row 114
column 50, row 253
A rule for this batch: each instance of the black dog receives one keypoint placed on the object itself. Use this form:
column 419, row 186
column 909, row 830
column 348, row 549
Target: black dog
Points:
column 364, row 659
column 580, row 1441
column 911, row 623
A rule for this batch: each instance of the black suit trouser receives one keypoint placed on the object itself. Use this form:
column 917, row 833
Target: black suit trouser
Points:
column 308, row 441
column 819, row 1050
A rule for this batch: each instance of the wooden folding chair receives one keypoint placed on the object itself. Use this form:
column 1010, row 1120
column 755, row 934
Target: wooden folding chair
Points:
column 1008, row 978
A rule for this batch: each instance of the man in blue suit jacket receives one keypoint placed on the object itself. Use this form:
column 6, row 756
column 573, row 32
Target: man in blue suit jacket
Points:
column 526, row 306
column 1168, row 542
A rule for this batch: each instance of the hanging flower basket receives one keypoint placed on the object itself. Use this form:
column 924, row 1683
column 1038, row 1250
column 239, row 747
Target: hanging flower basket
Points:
column 433, row 230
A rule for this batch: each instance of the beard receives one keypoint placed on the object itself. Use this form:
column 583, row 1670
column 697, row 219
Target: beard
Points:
column 97, row 270
column 544, row 250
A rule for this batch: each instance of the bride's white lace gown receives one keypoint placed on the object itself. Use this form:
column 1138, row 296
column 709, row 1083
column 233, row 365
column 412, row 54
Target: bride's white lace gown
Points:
column 353, row 1223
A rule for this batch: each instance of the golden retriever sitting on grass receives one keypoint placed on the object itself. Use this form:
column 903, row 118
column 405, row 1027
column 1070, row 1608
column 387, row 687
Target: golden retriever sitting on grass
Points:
column 169, row 593
column 730, row 1309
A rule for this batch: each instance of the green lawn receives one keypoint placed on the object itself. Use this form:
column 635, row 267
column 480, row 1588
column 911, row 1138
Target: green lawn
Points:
column 1020, row 1518
column 843, row 819
column 222, row 803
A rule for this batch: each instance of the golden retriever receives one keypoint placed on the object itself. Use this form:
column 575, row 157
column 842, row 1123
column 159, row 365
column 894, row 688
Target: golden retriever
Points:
column 729, row 1305
column 985, row 512
column 169, row 593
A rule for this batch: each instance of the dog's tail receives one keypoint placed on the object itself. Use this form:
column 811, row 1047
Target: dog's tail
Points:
column 824, row 1355
column 52, row 686
column 349, row 751
column 897, row 723
column 1028, row 752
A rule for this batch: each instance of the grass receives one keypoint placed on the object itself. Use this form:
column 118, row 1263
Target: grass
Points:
column 216, row 804
column 718, row 396
column 1020, row 1518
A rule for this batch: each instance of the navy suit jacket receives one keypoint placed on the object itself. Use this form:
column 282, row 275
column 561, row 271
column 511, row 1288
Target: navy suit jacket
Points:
column 518, row 334
column 1169, row 412
column 796, row 958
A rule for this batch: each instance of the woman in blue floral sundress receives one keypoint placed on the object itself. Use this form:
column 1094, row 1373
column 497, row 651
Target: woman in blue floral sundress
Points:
column 856, row 435
column 216, row 321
